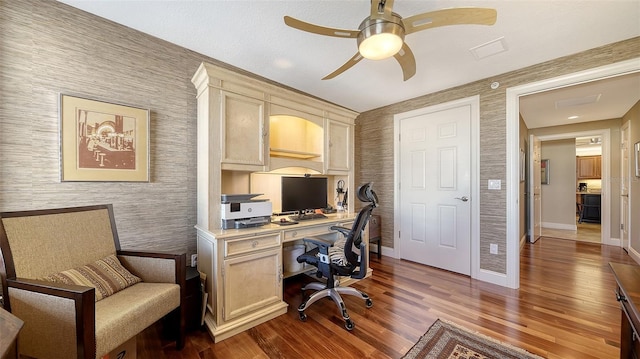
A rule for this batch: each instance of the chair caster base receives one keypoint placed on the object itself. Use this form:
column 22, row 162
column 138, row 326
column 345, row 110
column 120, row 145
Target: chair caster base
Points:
column 349, row 324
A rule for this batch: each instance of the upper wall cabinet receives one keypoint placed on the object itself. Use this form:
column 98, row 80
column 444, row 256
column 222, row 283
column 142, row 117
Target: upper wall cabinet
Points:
column 339, row 147
column 243, row 132
column 588, row 167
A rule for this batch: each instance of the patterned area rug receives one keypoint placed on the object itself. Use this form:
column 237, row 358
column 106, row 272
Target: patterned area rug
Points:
column 445, row 340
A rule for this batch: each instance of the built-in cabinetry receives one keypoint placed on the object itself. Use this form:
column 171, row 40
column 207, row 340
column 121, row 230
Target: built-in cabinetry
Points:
column 588, row 167
column 249, row 133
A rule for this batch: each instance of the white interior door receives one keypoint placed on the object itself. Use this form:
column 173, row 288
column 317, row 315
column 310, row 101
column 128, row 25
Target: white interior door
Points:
column 435, row 188
column 535, row 184
column 625, row 166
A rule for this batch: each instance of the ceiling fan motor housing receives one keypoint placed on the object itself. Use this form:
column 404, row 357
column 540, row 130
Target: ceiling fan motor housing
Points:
column 371, row 29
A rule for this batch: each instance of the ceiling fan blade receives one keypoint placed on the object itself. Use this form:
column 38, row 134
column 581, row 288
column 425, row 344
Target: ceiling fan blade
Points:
column 347, row 65
column 407, row 61
column 381, row 9
column 456, row 16
column 320, row 30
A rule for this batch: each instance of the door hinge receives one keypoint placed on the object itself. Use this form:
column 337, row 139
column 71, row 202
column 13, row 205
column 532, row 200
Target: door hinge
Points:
column 622, row 226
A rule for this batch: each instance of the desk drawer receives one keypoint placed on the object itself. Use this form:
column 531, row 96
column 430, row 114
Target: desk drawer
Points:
column 250, row 244
column 299, row 233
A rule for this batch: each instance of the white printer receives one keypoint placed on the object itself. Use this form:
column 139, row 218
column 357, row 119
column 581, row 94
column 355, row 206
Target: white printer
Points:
column 242, row 211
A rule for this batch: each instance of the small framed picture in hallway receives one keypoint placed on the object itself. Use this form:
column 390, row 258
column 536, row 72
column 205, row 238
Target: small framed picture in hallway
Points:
column 636, row 152
column 102, row 141
column 544, row 171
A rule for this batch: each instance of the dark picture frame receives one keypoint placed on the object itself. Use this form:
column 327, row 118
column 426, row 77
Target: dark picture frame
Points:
column 544, row 171
column 636, row 152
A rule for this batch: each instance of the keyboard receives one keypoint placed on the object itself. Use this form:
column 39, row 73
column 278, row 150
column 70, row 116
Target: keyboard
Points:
column 307, row 216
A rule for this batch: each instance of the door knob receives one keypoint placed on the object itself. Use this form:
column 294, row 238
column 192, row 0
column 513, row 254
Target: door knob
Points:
column 463, row 198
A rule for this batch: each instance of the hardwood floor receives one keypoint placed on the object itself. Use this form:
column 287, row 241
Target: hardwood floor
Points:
column 586, row 232
column 565, row 308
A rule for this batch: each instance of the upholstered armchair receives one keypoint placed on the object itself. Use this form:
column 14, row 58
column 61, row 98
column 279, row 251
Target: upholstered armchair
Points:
column 78, row 294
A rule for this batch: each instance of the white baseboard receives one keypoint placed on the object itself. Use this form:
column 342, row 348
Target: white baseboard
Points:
column 611, row 241
column 634, row 254
column 563, row 226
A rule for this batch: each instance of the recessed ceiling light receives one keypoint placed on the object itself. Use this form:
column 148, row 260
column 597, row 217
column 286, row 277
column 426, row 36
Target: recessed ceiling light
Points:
column 572, row 117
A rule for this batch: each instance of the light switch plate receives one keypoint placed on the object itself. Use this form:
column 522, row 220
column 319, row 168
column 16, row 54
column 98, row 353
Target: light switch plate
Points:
column 494, row 184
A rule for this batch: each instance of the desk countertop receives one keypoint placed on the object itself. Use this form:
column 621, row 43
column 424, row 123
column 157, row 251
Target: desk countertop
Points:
column 271, row 227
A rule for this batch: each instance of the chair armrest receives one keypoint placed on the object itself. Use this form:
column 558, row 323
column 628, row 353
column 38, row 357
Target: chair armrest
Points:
column 46, row 303
column 344, row 230
column 155, row 267
column 322, row 243
column 161, row 268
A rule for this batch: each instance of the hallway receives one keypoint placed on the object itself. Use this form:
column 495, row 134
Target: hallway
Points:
column 586, row 232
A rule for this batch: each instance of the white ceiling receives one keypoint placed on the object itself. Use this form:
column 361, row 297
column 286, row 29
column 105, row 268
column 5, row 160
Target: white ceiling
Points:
column 252, row 35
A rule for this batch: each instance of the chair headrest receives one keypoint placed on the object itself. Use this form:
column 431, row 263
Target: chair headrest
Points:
column 366, row 194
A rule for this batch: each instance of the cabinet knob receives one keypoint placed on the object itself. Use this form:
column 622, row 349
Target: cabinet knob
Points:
column 620, row 297
column 254, row 244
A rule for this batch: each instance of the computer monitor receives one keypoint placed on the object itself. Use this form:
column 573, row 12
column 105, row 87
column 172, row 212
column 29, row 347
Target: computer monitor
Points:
column 303, row 193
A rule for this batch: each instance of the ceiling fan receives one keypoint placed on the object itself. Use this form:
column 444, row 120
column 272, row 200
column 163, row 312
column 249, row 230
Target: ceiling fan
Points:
column 381, row 34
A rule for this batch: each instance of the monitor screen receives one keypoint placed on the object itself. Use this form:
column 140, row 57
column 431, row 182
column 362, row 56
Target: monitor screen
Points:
column 303, row 193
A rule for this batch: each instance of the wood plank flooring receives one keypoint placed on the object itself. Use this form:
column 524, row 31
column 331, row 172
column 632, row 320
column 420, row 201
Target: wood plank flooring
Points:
column 565, row 308
column 585, row 232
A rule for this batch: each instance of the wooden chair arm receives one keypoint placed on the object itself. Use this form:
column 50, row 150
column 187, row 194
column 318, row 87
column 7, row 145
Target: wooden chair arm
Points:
column 84, row 306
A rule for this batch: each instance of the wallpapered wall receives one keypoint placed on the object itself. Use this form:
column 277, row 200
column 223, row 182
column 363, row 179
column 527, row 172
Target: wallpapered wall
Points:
column 374, row 140
column 48, row 48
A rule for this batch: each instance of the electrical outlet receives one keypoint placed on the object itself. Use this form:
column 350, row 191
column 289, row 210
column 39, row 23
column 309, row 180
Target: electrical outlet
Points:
column 493, row 248
column 194, row 260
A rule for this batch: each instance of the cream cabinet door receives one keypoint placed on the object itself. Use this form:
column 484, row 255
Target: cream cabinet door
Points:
column 251, row 282
column 339, row 146
column 243, row 132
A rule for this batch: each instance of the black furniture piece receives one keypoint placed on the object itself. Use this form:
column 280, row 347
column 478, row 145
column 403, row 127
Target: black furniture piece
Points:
column 589, row 209
column 628, row 294
column 339, row 259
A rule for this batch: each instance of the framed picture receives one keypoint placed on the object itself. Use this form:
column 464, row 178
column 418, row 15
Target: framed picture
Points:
column 636, row 151
column 102, row 141
column 544, row 171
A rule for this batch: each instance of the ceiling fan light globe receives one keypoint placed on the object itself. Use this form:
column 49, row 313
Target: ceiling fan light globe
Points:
column 380, row 38
column 380, row 46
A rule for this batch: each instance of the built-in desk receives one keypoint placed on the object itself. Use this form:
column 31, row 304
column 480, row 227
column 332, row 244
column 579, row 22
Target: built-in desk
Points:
column 244, row 269
column 628, row 294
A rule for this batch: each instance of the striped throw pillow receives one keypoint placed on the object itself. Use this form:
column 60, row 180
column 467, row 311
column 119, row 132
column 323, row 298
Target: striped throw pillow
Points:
column 106, row 275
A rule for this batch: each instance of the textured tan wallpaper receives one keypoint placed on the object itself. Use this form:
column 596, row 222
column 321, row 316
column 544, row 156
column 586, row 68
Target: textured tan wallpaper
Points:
column 48, row 48
column 374, row 140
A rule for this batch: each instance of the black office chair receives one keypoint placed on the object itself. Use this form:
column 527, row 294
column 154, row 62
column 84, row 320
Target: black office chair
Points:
column 338, row 258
